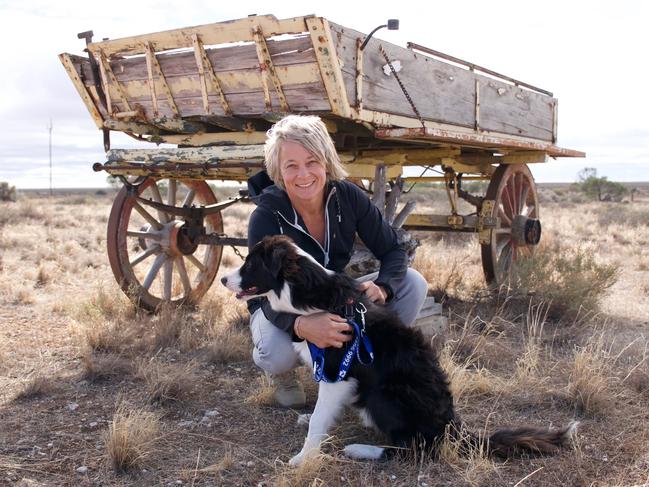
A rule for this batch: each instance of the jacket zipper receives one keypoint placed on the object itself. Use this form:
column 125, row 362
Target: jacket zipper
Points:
column 299, row 227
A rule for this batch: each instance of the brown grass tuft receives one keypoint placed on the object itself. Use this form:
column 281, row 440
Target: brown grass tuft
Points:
column 590, row 387
column 167, row 383
column 104, row 366
column 36, row 385
column 131, row 437
column 468, row 457
column 310, row 473
column 263, row 396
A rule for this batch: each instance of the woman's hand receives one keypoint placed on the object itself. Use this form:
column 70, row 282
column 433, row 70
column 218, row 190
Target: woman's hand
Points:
column 374, row 293
column 323, row 329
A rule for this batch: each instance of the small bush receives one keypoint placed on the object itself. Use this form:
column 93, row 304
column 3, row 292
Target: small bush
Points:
column 131, row 438
column 105, row 366
column 36, row 385
column 569, row 280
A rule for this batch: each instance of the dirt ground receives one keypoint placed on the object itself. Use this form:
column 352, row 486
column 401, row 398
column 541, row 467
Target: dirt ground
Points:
column 79, row 364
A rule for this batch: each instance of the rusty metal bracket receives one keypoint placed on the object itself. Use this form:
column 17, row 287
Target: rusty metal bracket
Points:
column 487, row 222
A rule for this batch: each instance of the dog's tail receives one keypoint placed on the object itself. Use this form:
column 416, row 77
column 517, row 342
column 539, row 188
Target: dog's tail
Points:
column 507, row 443
column 503, row 443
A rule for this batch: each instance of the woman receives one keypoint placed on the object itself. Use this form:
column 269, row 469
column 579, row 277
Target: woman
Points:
column 311, row 202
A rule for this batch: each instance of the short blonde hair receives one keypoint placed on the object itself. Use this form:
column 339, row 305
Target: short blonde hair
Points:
column 311, row 133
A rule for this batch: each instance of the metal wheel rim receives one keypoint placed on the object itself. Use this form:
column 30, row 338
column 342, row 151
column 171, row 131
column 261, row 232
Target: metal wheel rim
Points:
column 513, row 189
column 143, row 274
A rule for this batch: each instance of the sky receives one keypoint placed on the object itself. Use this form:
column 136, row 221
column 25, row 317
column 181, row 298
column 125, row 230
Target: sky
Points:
column 590, row 54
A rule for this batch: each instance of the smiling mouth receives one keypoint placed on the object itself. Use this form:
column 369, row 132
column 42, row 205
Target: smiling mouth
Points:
column 305, row 185
column 251, row 291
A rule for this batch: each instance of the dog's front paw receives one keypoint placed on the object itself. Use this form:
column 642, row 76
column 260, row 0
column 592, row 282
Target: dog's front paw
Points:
column 303, row 419
column 303, row 456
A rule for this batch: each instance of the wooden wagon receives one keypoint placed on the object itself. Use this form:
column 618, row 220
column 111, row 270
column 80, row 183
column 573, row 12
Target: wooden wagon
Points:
column 212, row 91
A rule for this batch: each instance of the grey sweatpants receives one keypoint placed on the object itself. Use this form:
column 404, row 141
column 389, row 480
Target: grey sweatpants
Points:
column 273, row 349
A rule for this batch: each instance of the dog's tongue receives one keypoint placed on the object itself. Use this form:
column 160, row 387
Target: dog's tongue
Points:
column 246, row 292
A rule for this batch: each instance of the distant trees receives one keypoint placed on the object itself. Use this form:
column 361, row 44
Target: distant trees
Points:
column 599, row 188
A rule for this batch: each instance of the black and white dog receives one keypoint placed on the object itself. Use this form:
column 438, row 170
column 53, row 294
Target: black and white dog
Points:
column 403, row 393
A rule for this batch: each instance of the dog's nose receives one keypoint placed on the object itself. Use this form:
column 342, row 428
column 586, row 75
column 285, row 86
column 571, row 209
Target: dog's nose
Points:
column 224, row 281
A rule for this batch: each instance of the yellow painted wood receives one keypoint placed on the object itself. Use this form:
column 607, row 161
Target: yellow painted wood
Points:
column 204, row 62
column 524, row 157
column 367, row 171
column 233, row 138
column 330, row 70
column 154, row 67
column 210, row 34
column 268, row 71
column 81, row 89
column 111, row 82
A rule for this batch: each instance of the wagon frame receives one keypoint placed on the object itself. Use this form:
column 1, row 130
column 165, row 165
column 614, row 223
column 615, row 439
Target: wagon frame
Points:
column 214, row 90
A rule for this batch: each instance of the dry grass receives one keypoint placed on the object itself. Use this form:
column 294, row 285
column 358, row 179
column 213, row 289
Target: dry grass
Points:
column 590, row 387
column 105, row 366
column 467, row 455
column 167, row 383
column 37, row 384
column 131, row 438
column 570, row 344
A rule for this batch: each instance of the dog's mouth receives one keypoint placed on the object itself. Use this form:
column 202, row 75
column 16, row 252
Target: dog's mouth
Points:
column 251, row 291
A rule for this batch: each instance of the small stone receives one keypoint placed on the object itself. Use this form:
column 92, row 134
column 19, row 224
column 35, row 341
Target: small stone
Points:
column 179, row 482
column 93, row 424
column 186, row 424
column 50, row 445
column 82, row 470
column 250, row 464
column 73, row 406
column 212, row 412
column 393, row 477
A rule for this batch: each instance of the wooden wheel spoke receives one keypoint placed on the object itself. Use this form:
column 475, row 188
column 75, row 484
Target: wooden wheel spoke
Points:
column 503, row 231
column 501, row 245
column 518, row 190
column 505, row 259
column 168, row 279
column 508, row 198
column 528, row 210
column 147, row 216
column 153, row 272
column 503, row 216
column 157, row 197
column 171, row 194
column 196, row 263
column 524, row 194
column 145, row 235
column 143, row 255
column 184, row 277
column 189, row 198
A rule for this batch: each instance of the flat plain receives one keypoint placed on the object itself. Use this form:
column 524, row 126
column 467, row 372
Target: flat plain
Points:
column 96, row 392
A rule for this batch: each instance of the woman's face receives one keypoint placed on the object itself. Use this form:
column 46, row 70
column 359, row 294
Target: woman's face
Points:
column 303, row 175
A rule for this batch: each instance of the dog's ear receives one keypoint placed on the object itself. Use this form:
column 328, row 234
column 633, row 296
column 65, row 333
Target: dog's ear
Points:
column 275, row 261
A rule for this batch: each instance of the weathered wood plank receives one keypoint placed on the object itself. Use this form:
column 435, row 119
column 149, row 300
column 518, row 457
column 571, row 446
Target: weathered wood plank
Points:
column 219, row 33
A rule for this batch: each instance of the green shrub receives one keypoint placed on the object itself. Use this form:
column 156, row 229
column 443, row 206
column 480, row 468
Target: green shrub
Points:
column 572, row 280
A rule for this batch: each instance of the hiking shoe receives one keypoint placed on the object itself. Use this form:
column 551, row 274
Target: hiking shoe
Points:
column 289, row 392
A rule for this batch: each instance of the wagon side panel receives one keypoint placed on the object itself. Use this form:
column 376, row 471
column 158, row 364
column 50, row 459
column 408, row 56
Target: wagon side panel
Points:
column 441, row 92
column 512, row 110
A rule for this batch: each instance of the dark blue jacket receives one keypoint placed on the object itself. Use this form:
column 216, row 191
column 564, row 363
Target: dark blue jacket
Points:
column 348, row 212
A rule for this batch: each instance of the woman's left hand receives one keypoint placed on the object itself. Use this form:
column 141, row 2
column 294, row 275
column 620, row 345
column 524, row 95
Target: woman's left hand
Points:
column 376, row 294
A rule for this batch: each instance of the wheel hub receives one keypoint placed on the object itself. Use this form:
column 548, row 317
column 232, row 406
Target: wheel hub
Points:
column 526, row 231
column 177, row 240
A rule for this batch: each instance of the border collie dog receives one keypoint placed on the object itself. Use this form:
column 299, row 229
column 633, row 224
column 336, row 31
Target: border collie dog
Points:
column 403, row 392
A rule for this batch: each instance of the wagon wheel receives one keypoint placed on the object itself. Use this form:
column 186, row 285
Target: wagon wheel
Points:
column 513, row 190
column 151, row 258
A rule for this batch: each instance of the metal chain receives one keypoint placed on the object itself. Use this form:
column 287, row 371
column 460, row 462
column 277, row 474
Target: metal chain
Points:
column 403, row 88
column 237, row 252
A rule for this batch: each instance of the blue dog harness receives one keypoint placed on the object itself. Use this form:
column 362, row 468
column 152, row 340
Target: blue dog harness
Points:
column 361, row 340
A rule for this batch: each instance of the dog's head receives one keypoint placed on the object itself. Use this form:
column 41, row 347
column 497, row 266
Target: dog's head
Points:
column 270, row 264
